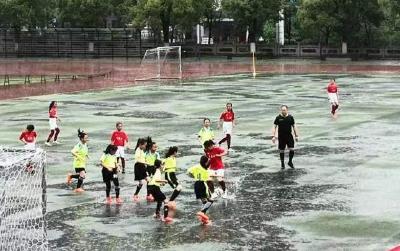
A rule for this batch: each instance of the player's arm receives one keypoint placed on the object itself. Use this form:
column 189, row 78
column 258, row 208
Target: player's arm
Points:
column 274, row 133
column 21, row 138
column 189, row 172
column 296, row 132
column 220, row 121
column 75, row 154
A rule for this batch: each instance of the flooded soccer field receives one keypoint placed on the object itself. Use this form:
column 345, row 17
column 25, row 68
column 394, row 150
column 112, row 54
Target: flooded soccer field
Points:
column 342, row 195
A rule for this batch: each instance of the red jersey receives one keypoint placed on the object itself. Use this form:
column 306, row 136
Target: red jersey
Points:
column 215, row 162
column 227, row 116
column 29, row 137
column 332, row 88
column 119, row 138
column 53, row 112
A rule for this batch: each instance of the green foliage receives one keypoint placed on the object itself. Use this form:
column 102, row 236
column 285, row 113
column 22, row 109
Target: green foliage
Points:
column 349, row 20
column 252, row 14
column 269, row 31
column 163, row 14
column 25, row 13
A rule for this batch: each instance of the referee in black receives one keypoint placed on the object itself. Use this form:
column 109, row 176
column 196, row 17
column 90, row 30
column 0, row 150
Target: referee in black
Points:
column 285, row 122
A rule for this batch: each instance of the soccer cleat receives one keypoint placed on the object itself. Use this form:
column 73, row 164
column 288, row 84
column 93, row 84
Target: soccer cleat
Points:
column 79, row 190
column 118, row 200
column 202, row 216
column 282, row 166
column 157, row 215
column 56, row 142
column 47, row 143
column 135, row 198
column 150, row 198
column 290, row 164
column 69, row 178
column 108, row 201
column 123, row 170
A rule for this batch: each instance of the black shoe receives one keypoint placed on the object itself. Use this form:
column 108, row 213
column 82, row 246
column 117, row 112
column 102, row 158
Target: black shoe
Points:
column 123, row 170
column 290, row 164
column 283, row 167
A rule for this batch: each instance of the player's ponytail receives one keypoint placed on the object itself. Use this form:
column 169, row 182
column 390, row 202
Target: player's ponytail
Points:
column 140, row 141
column 81, row 134
column 171, row 151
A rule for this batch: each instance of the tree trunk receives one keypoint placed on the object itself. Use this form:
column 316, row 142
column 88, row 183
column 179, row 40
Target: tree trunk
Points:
column 166, row 19
column 209, row 23
column 252, row 31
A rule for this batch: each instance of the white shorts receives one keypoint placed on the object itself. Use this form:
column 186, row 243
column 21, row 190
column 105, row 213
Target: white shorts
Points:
column 53, row 123
column 30, row 146
column 220, row 173
column 333, row 98
column 120, row 153
column 227, row 127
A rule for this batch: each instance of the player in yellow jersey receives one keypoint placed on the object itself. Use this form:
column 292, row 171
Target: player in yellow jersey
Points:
column 200, row 174
column 170, row 173
column 151, row 155
column 110, row 172
column 140, row 166
column 80, row 153
column 154, row 187
column 206, row 132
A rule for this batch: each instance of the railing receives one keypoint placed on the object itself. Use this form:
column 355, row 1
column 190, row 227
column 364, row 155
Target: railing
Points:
column 90, row 43
column 96, row 43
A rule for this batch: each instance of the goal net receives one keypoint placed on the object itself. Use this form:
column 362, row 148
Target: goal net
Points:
column 161, row 63
column 23, row 199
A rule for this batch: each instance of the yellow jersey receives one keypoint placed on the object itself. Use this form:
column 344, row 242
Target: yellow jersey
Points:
column 82, row 151
column 140, row 156
column 199, row 173
column 109, row 161
column 206, row 134
column 170, row 164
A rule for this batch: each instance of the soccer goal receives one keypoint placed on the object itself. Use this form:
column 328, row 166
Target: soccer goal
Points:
column 23, row 199
column 161, row 63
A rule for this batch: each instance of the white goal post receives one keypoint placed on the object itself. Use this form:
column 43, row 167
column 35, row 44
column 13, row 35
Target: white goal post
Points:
column 23, row 199
column 161, row 63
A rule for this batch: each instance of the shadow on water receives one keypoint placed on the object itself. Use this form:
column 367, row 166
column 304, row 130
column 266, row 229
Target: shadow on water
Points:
column 140, row 114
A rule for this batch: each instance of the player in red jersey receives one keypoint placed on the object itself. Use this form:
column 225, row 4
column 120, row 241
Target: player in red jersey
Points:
column 227, row 119
column 28, row 137
column 53, row 118
column 120, row 139
column 333, row 95
column 216, row 168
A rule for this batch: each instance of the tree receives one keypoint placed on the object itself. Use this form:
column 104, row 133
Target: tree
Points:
column 252, row 14
column 391, row 24
column 31, row 14
column 166, row 15
column 347, row 19
column 290, row 11
column 84, row 13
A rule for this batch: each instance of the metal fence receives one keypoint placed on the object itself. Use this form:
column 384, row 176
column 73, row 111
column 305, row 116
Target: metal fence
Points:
column 97, row 43
column 89, row 43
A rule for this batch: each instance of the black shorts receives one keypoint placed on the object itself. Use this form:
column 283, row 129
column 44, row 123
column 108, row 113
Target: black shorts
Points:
column 140, row 171
column 151, row 170
column 286, row 141
column 107, row 175
column 201, row 190
column 80, row 169
column 172, row 180
column 156, row 192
